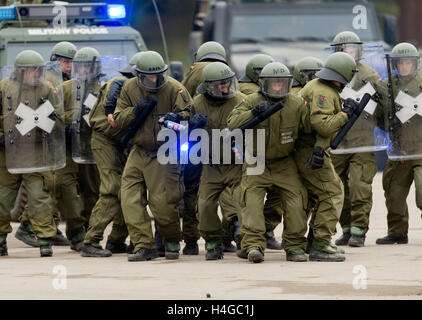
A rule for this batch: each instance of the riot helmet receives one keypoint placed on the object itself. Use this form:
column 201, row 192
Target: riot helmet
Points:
column 348, row 42
column 151, row 71
column 218, row 81
column 275, row 80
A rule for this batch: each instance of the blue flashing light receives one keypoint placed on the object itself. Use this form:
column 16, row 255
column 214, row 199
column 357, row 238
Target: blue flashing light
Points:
column 7, row 13
column 184, row 147
column 116, row 11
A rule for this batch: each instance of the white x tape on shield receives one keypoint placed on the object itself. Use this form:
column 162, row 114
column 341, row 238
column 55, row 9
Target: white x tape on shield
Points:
column 410, row 106
column 89, row 103
column 357, row 96
column 35, row 118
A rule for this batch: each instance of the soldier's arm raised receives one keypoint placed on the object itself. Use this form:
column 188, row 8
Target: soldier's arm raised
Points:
column 123, row 114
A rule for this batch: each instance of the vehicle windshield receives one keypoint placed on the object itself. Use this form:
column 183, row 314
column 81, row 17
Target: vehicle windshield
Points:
column 125, row 48
column 294, row 27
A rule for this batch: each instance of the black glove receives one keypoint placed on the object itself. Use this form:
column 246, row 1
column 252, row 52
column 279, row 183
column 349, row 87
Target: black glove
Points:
column 2, row 141
column 316, row 160
column 112, row 95
column 145, row 101
column 197, row 121
column 260, row 108
column 171, row 116
column 349, row 106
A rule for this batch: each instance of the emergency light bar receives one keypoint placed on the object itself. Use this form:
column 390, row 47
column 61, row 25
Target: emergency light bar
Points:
column 97, row 11
column 7, row 13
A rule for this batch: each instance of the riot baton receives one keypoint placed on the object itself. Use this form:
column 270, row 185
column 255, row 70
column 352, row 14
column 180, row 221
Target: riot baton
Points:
column 346, row 128
column 252, row 123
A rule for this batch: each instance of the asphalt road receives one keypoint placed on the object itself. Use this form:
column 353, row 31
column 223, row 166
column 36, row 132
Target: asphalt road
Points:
column 371, row 272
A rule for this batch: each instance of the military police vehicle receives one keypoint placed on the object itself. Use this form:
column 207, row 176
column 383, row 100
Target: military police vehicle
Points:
column 39, row 27
column 288, row 31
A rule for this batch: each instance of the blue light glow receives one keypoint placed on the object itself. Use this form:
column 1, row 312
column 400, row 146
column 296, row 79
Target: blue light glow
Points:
column 184, row 147
column 116, row 11
column 7, row 13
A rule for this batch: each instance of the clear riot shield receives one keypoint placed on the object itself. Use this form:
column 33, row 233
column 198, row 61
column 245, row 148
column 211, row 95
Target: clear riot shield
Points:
column 404, row 116
column 33, row 118
column 365, row 135
column 87, row 79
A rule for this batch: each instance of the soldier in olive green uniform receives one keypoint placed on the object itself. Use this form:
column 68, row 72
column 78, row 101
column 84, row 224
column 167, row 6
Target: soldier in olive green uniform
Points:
column 248, row 84
column 64, row 53
column 143, row 172
column 217, row 97
column 67, row 183
column 280, row 173
column 110, row 160
column 357, row 169
column 405, row 155
column 207, row 53
column 318, row 174
column 26, row 84
column 304, row 71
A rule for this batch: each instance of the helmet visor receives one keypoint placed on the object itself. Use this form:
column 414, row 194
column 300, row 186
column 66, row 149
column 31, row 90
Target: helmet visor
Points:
column 221, row 89
column 29, row 75
column 353, row 49
column 85, row 70
column 276, row 87
column 404, row 66
column 152, row 81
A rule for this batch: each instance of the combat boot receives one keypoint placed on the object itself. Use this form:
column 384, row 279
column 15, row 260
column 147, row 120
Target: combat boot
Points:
column 143, row 254
column 272, row 243
column 296, row 255
column 59, row 239
column 116, row 247
column 255, row 255
column 46, row 249
column 242, row 254
column 77, row 241
column 94, row 250
column 357, row 241
column 191, row 248
column 326, row 253
column 393, row 240
column 26, row 235
column 215, row 253
column 172, row 250
column 3, row 246
column 358, row 237
column 344, row 239
column 228, row 245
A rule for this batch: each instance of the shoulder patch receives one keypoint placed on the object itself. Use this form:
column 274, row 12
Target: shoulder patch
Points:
column 184, row 96
column 321, row 101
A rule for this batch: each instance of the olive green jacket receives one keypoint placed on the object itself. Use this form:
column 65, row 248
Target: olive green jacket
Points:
column 171, row 98
column 325, row 110
column 281, row 129
column 217, row 113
